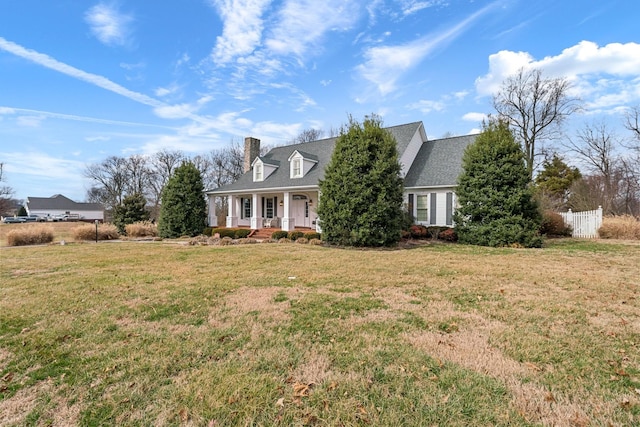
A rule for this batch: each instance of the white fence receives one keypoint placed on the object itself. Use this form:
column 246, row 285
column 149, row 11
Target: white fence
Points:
column 584, row 224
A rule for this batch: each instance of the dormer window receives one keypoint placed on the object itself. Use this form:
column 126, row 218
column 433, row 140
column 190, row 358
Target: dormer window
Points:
column 262, row 168
column 257, row 172
column 300, row 163
column 296, row 168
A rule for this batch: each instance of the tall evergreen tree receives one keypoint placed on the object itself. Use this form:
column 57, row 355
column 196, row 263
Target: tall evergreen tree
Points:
column 132, row 209
column 496, row 203
column 361, row 193
column 183, row 210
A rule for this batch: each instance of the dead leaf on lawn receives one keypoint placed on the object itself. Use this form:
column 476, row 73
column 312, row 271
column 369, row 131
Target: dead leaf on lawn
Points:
column 301, row 389
column 280, row 403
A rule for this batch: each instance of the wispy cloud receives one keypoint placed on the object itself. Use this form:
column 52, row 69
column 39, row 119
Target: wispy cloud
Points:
column 409, row 7
column 53, row 64
column 162, row 109
column 109, row 25
column 48, row 114
column 302, row 25
column 241, row 30
column 384, row 65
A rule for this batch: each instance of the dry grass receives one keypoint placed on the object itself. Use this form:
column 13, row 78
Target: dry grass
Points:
column 39, row 235
column 620, row 227
column 93, row 232
column 165, row 334
column 61, row 230
column 141, row 229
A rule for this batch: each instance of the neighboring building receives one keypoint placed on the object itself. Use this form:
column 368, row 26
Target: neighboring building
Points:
column 58, row 206
column 281, row 188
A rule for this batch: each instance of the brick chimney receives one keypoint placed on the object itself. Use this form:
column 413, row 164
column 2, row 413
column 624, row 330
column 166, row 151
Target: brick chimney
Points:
column 251, row 151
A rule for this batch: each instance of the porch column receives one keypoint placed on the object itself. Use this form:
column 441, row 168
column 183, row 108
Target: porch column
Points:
column 288, row 223
column 213, row 218
column 256, row 218
column 232, row 218
column 318, row 224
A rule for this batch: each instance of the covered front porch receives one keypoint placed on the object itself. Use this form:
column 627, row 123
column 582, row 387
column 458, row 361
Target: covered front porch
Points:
column 284, row 210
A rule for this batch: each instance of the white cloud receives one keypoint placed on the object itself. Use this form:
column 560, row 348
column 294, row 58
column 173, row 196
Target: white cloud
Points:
column 109, row 25
column 426, row 106
column 97, row 139
column 474, row 117
column 30, row 121
column 242, row 28
column 302, row 24
column 384, row 65
column 7, row 110
column 177, row 111
column 410, row 7
column 584, row 65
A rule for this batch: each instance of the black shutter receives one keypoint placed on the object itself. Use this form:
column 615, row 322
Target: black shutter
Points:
column 432, row 211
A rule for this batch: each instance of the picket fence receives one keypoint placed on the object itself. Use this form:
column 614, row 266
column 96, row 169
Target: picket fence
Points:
column 584, row 224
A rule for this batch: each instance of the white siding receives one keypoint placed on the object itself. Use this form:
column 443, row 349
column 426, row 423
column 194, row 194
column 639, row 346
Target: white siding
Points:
column 410, row 153
column 440, row 204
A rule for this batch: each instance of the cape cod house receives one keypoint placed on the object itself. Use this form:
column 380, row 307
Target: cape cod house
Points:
column 281, row 188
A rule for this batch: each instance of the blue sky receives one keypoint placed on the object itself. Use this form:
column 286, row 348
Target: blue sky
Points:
column 84, row 80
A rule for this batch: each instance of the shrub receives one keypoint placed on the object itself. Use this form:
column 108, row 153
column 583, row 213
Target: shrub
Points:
column 284, row 240
column 248, row 241
column 448, row 235
column 302, row 240
column 131, row 210
column 208, row 231
column 226, row 241
column 280, row 234
column 418, row 231
column 435, row 230
column 141, row 229
column 241, row 233
column 620, row 227
column 223, row 232
column 553, row 225
column 295, row 235
column 316, row 242
column 88, row 232
column 312, row 235
column 30, row 236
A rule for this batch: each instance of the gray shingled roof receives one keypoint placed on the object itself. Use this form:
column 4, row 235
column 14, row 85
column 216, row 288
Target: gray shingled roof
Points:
column 62, row 203
column 323, row 149
column 439, row 162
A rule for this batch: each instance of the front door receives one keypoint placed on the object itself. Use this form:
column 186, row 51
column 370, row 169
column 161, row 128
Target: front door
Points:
column 300, row 211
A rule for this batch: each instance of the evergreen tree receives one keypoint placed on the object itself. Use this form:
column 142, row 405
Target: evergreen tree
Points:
column 131, row 210
column 496, row 203
column 554, row 182
column 22, row 211
column 183, row 210
column 361, row 193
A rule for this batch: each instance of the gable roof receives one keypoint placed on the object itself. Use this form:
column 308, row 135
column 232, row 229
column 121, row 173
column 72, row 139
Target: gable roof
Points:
column 60, row 202
column 438, row 163
column 445, row 158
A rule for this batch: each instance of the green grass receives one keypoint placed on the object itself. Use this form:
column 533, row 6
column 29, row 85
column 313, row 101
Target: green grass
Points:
column 164, row 334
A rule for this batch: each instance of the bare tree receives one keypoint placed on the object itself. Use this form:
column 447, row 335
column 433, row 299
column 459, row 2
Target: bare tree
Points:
column 138, row 174
column 632, row 122
column 308, row 135
column 162, row 165
column 535, row 108
column 111, row 176
column 6, row 194
column 613, row 180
